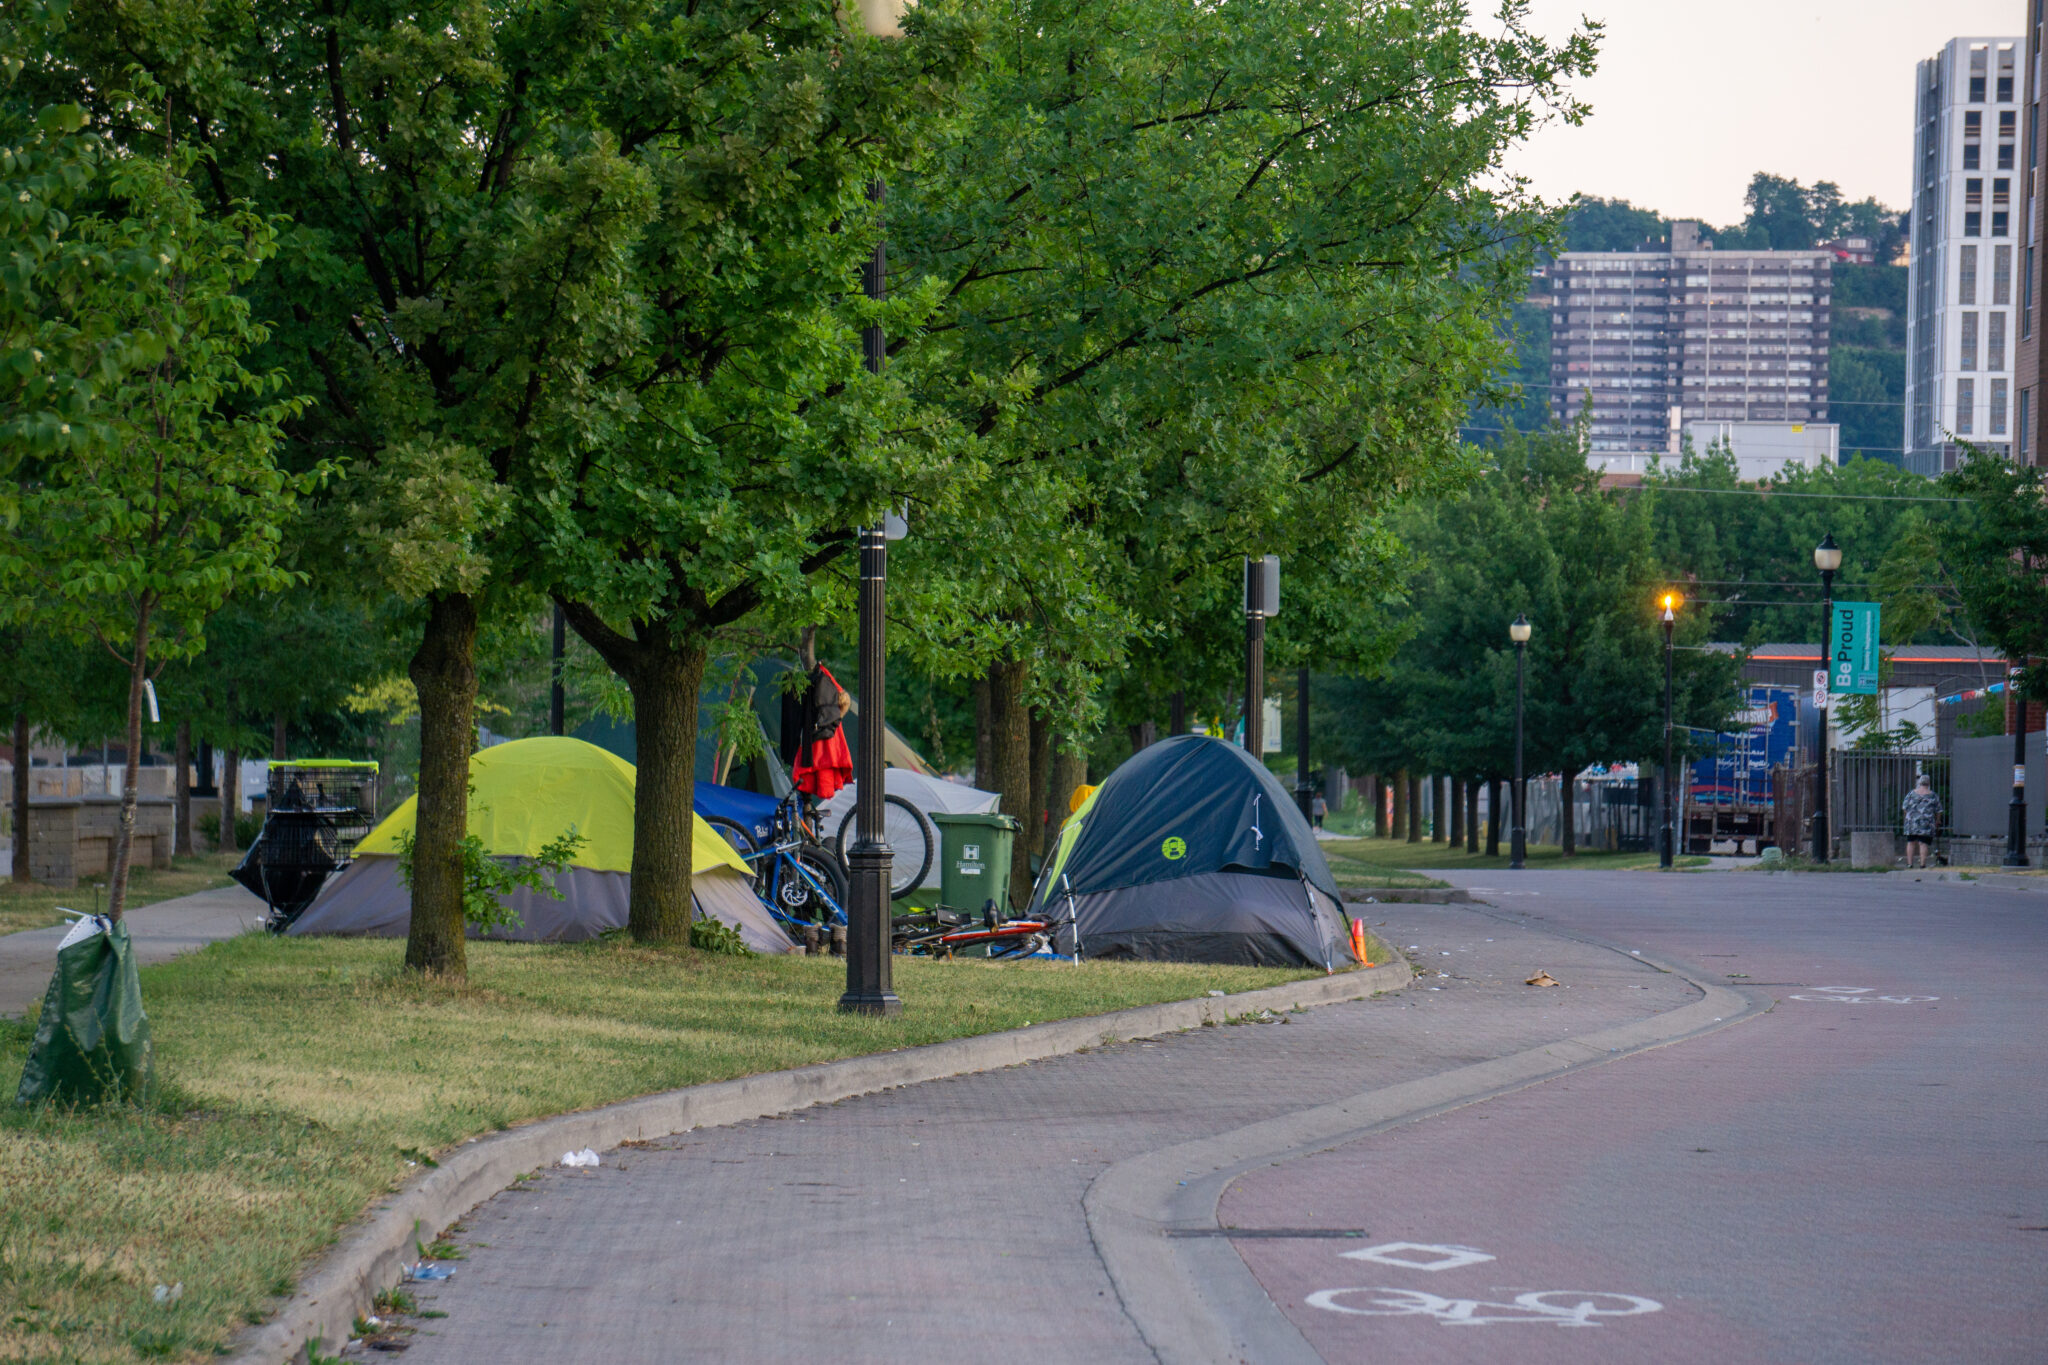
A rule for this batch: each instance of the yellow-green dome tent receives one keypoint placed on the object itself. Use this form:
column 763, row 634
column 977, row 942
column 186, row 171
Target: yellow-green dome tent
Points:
column 523, row 795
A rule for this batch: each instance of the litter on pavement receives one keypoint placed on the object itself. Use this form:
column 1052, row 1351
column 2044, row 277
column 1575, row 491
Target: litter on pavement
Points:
column 1542, row 978
column 586, row 1157
column 423, row 1271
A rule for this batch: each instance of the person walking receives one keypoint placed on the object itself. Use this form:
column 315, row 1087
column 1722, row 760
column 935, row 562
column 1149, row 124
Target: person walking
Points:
column 1318, row 808
column 1922, row 811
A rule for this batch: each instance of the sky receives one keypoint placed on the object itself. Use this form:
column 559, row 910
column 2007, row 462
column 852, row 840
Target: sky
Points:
column 1692, row 99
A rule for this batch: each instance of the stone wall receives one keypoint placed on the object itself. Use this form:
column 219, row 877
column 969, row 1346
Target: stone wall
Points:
column 73, row 838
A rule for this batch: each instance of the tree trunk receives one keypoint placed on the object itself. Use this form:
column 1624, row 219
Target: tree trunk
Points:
column 1471, row 815
column 230, row 798
column 1177, row 713
column 1143, row 735
column 1567, row 836
column 1457, row 812
column 1400, row 785
column 1010, row 759
column 20, row 873
column 181, row 788
column 131, row 766
column 1377, row 790
column 1437, row 787
column 984, row 736
column 1413, row 783
column 1069, row 770
column 1494, row 812
column 1039, row 826
column 443, row 672
column 280, row 732
column 665, row 682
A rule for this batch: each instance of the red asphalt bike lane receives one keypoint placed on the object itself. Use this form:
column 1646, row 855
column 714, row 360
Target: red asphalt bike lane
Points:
column 1845, row 1177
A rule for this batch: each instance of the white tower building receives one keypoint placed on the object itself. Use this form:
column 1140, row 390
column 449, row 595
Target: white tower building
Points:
column 1961, row 342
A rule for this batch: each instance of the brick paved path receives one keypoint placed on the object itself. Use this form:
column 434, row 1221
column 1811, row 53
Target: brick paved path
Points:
column 943, row 1222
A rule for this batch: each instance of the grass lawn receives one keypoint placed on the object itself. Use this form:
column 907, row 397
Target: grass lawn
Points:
column 302, row 1077
column 34, row 906
column 1376, row 854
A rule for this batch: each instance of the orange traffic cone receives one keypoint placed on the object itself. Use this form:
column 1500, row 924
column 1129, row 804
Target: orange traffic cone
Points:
column 1358, row 942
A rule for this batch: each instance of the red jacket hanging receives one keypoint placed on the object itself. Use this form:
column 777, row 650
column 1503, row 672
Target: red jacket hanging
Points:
column 824, row 764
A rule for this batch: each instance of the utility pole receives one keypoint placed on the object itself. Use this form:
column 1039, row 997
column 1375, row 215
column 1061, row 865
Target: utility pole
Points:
column 1261, row 599
column 1304, row 791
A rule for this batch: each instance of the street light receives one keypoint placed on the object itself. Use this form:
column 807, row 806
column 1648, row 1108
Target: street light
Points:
column 1518, row 842
column 1666, row 850
column 1827, row 557
column 868, row 986
column 2016, row 810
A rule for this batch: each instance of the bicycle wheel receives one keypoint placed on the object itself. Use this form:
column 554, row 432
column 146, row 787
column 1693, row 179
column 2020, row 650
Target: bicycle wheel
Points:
column 733, row 833
column 798, row 898
column 911, row 838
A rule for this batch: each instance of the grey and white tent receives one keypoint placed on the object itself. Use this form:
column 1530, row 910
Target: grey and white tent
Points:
column 1193, row 852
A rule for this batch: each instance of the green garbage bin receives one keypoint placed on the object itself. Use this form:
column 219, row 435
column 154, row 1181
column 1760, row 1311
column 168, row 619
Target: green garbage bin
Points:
column 974, row 859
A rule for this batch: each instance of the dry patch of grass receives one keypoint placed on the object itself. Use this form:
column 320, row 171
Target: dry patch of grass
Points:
column 302, row 1077
column 34, row 906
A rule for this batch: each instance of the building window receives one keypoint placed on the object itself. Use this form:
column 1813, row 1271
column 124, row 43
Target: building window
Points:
column 2004, row 157
column 1994, row 341
column 2027, row 295
column 2005, row 90
column 1976, row 89
column 1973, row 225
column 2001, row 192
column 2001, row 274
column 1966, row 406
column 1966, row 283
column 2001, row 224
column 1973, row 156
column 2007, row 121
column 1969, row 359
column 1995, row 423
column 2025, row 409
column 1973, row 124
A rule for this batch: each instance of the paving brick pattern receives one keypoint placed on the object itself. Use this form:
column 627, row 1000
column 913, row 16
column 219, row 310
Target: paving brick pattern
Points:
column 943, row 1222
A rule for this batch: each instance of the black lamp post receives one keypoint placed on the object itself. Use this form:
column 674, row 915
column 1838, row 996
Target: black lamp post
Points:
column 1518, row 840
column 1827, row 557
column 2016, row 811
column 1667, row 850
column 868, row 986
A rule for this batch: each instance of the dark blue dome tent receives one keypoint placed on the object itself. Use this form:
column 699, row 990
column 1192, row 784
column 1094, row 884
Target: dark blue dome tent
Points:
column 1193, row 852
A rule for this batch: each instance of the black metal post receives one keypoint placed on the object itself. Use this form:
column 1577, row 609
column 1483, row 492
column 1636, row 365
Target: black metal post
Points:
column 1669, row 847
column 1304, row 792
column 1518, row 846
column 1177, row 713
column 868, row 986
column 557, row 700
column 2016, row 812
column 1820, row 772
column 1255, row 657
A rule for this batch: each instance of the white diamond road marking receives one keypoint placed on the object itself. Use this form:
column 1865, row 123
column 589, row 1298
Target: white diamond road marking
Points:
column 1442, row 1257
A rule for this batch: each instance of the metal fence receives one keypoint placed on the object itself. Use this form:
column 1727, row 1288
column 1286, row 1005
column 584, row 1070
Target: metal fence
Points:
column 1869, row 789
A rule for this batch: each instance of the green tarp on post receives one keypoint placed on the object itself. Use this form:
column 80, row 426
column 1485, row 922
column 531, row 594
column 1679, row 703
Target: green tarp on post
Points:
column 92, row 1042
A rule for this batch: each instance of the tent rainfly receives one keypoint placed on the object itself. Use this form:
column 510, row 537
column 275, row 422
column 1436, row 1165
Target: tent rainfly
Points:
column 523, row 795
column 1193, row 852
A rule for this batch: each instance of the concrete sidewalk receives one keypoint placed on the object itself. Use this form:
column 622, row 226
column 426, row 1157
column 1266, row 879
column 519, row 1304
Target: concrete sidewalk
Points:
column 945, row 1221
column 160, row 932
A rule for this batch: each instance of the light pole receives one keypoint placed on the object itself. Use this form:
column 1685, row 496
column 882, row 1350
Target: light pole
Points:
column 2016, row 812
column 1667, row 850
column 868, row 986
column 1518, row 841
column 1261, row 600
column 1827, row 557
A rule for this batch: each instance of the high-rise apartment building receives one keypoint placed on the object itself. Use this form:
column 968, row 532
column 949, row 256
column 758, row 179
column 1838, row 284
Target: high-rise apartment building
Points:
column 1963, row 282
column 1680, row 332
column 2029, row 374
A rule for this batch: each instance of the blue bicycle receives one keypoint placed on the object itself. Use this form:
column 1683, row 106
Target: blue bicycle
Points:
column 799, row 879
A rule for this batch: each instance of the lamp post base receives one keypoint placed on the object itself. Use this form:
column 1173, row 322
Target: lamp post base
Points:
column 2016, row 835
column 868, row 988
column 1518, row 851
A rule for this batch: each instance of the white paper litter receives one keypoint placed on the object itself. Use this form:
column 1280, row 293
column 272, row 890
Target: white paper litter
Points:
column 83, row 929
column 586, row 1157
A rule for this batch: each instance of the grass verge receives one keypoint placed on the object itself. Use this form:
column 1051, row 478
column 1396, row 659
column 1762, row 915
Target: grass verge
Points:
column 1398, row 854
column 34, row 906
column 302, row 1077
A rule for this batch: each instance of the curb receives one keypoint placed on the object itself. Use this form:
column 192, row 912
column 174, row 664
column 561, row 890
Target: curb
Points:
column 373, row 1255
column 1408, row 895
column 1194, row 1300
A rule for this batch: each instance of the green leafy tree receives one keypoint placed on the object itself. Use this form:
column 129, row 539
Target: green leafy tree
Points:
column 1238, row 271
column 135, row 538
column 1997, row 557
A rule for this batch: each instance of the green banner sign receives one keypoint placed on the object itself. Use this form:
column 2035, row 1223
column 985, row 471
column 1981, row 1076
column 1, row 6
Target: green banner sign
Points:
column 1852, row 649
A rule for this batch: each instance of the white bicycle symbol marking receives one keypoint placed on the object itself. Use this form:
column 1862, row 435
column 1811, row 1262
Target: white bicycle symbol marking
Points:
column 1859, row 995
column 1579, row 1308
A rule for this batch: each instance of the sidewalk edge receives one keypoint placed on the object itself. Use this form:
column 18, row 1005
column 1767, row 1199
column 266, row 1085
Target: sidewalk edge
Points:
column 1194, row 1300
column 371, row 1256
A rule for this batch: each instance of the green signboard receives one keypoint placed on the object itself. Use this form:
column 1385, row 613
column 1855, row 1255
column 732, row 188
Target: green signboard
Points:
column 1852, row 649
